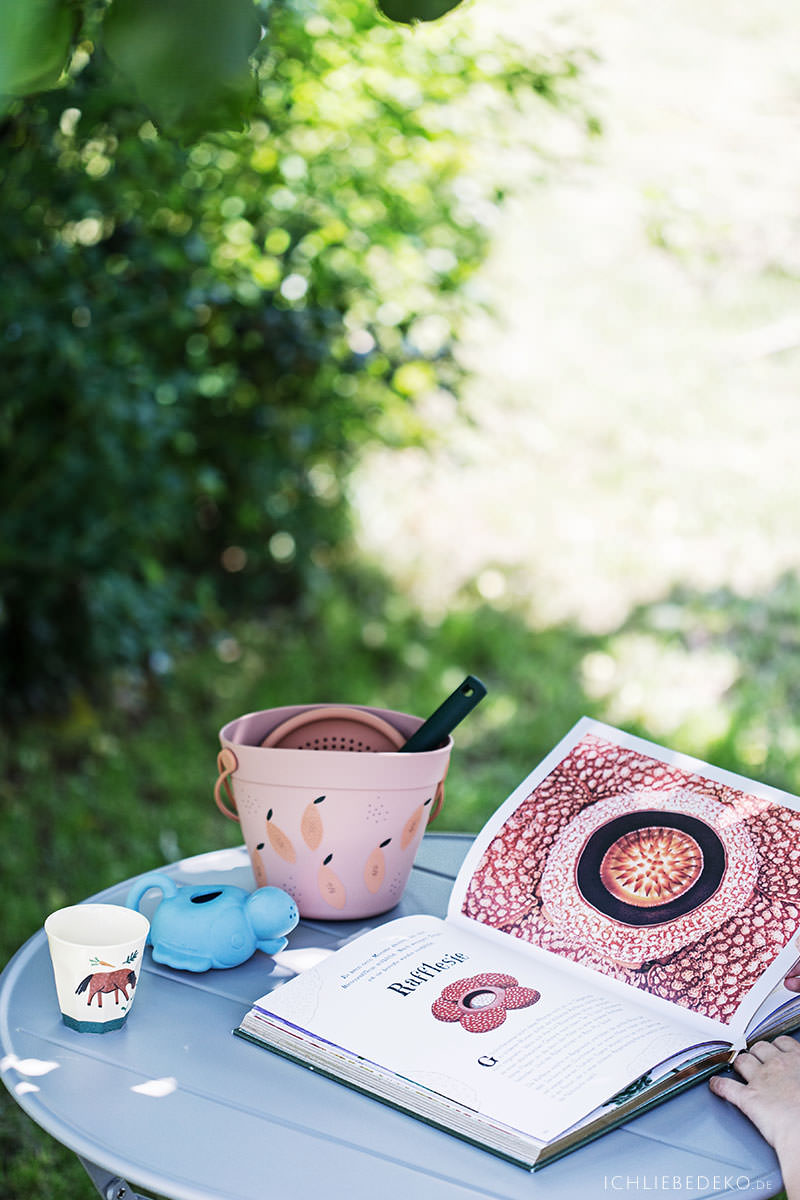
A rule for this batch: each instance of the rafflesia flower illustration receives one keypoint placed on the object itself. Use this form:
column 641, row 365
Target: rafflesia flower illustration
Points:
column 480, row 1002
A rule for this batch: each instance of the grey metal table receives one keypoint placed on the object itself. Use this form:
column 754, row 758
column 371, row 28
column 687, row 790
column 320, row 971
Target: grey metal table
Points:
column 175, row 1104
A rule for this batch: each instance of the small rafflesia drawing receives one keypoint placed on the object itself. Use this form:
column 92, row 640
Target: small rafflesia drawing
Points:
column 480, row 1002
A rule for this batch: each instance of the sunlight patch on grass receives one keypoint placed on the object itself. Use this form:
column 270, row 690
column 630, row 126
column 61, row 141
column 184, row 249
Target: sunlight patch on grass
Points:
column 668, row 689
column 631, row 418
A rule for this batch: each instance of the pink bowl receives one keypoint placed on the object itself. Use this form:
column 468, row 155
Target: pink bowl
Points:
column 337, row 830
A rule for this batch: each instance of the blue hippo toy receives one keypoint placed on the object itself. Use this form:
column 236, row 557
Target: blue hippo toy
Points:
column 195, row 928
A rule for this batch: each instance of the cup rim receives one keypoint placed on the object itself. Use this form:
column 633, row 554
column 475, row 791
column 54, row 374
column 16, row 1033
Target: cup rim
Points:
column 136, row 925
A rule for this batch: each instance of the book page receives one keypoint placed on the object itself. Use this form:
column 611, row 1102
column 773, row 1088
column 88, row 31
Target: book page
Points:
column 647, row 867
column 518, row 1042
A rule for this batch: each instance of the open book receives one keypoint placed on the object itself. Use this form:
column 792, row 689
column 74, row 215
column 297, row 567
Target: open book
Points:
column 619, row 929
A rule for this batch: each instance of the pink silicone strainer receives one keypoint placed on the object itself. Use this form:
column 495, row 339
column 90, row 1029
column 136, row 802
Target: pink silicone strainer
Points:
column 336, row 727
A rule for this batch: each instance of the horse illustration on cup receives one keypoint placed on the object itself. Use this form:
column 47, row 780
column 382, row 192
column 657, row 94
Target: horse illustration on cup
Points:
column 116, row 980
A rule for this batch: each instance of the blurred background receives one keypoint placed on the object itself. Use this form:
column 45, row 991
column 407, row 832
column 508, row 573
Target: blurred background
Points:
column 476, row 352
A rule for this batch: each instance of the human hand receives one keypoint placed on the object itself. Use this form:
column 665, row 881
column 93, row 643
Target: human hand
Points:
column 770, row 1097
column 792, row 980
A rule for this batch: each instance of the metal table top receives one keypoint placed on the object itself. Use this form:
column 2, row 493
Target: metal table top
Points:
column 176, row 1104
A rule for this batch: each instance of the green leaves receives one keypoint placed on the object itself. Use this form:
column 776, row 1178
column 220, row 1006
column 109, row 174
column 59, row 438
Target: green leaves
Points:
column 35, row 39
column 408, row 12
column 188, row 60
column 199, row 344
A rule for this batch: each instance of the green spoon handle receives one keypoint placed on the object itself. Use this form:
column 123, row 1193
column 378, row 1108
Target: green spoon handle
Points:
column 435, row 730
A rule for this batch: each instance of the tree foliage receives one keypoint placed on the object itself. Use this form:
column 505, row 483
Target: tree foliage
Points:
column 197, row 342
column 191, row 63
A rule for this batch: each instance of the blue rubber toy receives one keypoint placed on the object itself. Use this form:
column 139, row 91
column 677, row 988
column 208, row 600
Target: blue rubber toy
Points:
column 199, row 927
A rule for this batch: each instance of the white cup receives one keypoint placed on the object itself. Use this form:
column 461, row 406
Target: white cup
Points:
column 96, row 951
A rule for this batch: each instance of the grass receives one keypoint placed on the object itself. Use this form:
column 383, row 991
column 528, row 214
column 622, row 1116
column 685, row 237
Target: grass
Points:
column 633, row 398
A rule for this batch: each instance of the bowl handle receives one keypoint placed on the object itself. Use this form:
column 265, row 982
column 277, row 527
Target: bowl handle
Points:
column 438, row 799
column 226, row 765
